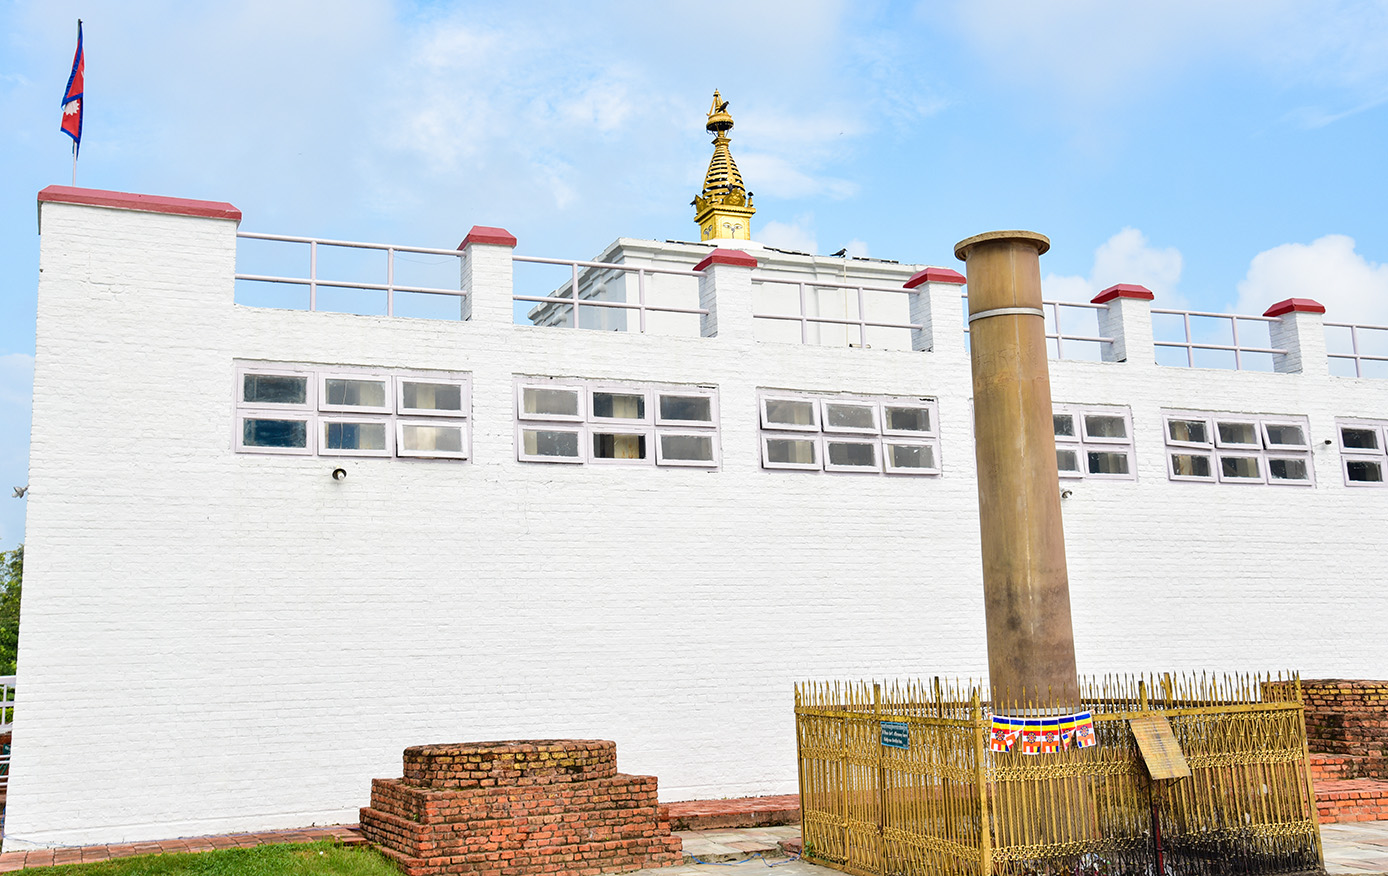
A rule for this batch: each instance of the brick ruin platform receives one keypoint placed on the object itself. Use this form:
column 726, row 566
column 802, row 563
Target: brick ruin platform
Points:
column 518, row 808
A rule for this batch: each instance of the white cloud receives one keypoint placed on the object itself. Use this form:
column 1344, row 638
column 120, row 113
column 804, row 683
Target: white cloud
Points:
column 1126, row 257
column 798, row 235
column 1328, row 270
column 857, row 249
column 776, row 176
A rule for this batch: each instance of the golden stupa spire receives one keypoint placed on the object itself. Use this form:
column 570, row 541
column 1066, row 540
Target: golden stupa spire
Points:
column 724, row 209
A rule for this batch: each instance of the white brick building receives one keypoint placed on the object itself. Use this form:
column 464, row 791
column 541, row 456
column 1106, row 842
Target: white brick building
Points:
column 219, row 635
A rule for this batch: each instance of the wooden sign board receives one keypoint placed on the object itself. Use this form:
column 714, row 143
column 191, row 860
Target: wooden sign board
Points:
column 1160, row 750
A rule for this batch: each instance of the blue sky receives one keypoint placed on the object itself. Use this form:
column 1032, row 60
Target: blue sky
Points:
column 1225, row 154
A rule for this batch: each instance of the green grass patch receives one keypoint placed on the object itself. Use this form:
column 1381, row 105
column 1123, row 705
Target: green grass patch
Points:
column 301, row 859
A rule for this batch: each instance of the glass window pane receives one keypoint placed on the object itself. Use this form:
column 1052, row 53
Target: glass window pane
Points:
column 420, row 438
column 846, row 416
column 1064, row 425
column 1107, row 462
column 852, row 453
column 693, row 447
column 791, row 451
column 1285, row 435
column 1353, row 438
column 790, row 412
column 275, row 389
column 1190, row 465
column 908, row 419
column 258, row 432
column 1188, row 431
column 431, row 396
column 550, row 402
column 548, row 442
column 910, row 456
column 343, row 391
column 1287, row 470
column 688, row 408
column 354, row 436
column 1239, row 466
column 1067, row 460
column 619, row 405
column 1238, row 433
column 1364, row 471
column 610, row 446
column 1105, row 426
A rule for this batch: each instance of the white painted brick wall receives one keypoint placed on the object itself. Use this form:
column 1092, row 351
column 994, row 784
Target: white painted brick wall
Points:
column 215, row 642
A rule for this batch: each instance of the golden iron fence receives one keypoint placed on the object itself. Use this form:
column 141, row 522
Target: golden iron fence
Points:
column 934, row 799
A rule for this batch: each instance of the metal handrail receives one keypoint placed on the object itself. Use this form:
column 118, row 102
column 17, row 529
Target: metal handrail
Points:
column 1058, row 336
column 804, row 319
column 1355, row 356
column 575, row 301
column 313, row 282
column 1236, row 348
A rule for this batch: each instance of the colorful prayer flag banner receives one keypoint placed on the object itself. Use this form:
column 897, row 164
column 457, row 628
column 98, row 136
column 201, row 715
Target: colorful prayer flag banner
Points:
column 1041, row 735
column 72, row 97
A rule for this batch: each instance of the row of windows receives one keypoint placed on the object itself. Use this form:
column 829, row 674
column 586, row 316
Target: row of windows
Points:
column 354, row 412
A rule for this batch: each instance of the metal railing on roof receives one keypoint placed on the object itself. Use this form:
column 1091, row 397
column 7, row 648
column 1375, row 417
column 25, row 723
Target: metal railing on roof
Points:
column 1054, row 312
column 1356, row 345
column 1190, row 345
column 314, row 282
column 803, row 286
column 592, row 273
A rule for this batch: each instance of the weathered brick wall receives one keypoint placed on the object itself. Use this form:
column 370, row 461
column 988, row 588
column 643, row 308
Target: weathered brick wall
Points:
column 1347, row 717
column 522, row 808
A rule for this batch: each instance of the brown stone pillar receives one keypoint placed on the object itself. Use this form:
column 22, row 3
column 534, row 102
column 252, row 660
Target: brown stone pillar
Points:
column 1031, row 647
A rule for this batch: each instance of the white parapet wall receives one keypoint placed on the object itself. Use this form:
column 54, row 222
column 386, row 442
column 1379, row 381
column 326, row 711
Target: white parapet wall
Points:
column 218, row 641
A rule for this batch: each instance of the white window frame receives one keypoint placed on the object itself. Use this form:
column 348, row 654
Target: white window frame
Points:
column 662, row 459
column 692, row 392
column 813, row 402
column 651, row 426
column 316, row 413
column 1217, row 449
column 325, row 450
column 387, row 407
column 558, row 426
column 450, row 423
column 295, row 413
column 402, row 411
column 873, row 406
column 1082, row 442
column 823, row 434
column 818, row 463
column 644, row 392
column 578, row 389
column 1359, row 454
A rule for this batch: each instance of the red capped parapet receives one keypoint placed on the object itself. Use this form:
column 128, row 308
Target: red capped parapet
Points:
column 490, row 235
column 1124, row 290
column 139, row 203
column 935, row 275
column 727, row 257
column 1295, row 305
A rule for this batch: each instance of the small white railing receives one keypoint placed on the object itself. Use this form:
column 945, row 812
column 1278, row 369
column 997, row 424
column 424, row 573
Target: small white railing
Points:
column 1233, row 319
column 1053, row 311
column 313, row 281
column 6, row 722
column 1356, row 354
column 574, row 299
column 803, row 317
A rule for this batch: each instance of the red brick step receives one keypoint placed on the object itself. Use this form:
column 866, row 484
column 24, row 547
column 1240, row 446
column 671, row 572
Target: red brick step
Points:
column 738, row 812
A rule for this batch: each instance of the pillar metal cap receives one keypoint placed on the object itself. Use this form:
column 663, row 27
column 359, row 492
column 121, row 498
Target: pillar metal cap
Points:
column 961, row 249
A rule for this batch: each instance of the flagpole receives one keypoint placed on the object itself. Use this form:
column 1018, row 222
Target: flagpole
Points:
column 74, row 165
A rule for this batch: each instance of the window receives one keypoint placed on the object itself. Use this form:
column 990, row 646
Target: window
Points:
column 1237, row 448
column 301, row 409
column 1093, row 442
column 605, row 423
column 849, row 434
column 1362, row 452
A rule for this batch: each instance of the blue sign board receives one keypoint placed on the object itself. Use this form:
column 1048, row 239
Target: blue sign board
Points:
column 896, row 734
